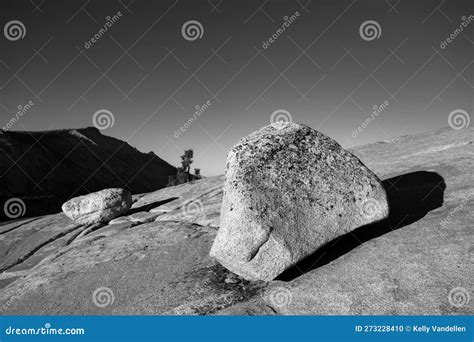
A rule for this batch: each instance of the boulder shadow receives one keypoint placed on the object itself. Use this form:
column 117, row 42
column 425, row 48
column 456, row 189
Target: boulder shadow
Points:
column 410, row 197
column 149, row 206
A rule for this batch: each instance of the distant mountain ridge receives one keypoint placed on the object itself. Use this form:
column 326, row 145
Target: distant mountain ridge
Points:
column 46, row 168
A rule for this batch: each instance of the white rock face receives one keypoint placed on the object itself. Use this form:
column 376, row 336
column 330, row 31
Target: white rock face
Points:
column 289, row 190
column 101, row 206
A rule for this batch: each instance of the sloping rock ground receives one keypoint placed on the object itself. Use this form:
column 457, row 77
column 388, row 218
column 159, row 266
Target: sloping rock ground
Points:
column 53, row 166
column 156, row 261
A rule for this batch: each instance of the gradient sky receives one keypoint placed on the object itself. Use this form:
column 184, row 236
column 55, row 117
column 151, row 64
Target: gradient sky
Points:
column 320, row 70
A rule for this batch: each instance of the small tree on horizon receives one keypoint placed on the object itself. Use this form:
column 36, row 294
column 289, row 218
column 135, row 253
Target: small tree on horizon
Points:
column 183, row 174
column 187, row 160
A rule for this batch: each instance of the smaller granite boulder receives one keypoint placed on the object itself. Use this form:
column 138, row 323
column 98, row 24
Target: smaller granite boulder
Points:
column 101, row 206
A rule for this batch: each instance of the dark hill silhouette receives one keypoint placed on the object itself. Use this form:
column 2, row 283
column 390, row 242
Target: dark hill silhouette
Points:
column 46, row 168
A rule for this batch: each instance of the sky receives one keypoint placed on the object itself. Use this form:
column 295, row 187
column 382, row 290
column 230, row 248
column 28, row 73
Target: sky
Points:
column 147, row 75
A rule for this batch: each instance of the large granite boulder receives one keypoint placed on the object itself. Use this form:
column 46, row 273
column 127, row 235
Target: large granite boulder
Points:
column 288, row 191
column 101, row 206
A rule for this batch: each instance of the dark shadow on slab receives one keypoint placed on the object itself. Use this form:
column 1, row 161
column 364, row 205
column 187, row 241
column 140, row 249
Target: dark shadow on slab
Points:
column 49, row 205
column 150, row 206
column 410, row 197
column 34, row 206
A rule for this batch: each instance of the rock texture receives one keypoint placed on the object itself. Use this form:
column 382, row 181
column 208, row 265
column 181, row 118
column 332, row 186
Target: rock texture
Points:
column 45, row 169
column 100, row 206
column 288, row 191
column 407, row 264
